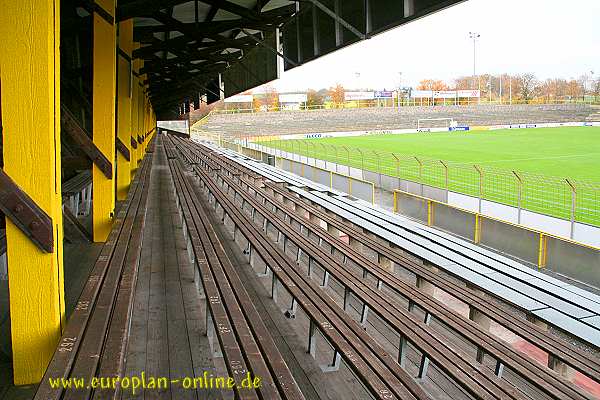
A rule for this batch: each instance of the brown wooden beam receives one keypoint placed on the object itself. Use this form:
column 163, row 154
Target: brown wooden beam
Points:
column 26, row 214
column 71, row 126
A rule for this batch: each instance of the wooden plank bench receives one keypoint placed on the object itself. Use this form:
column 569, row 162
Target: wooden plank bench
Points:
column 527, row 368
column 95, row 338
column 541, row 298
column 378, row 372
column 559, row 351
column 77, row 193
column 245, row 342
column 473, row 379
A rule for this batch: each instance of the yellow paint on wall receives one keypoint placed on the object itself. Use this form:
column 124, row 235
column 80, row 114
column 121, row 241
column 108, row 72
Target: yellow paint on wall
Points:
column 30, row 71
column 124, row 107
column 104, row 87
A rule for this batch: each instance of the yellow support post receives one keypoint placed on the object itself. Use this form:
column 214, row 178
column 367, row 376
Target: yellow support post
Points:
column 477, row 235
column 395, row 201
column 124, row 107
column 140, row 132
column 135, row 109
column 104, row 85
column 542, row 251
column 30, row 75
column 429, row 213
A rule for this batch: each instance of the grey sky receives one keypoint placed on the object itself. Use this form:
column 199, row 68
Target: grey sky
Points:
column 552, row 38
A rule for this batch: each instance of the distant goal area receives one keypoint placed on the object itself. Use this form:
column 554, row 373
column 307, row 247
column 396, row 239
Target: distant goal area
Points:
column 429, row 124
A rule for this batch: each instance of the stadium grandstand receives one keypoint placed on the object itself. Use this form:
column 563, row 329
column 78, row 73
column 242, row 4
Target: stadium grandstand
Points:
column 244, row 256
column 373, row 119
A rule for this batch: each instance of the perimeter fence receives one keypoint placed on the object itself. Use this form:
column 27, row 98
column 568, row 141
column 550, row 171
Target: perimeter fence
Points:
column 573, row 200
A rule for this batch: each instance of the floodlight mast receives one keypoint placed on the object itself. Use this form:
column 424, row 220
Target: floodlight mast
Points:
column 475, row 36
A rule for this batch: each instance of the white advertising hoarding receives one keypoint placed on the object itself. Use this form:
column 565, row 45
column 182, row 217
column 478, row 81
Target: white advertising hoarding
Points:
column 349, row 96
column 444, row 94
column 468, row 93
column 241, row 98
column 421, row 94
column 292, row 98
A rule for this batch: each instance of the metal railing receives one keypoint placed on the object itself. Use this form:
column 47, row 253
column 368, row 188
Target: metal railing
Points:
column 565, row 198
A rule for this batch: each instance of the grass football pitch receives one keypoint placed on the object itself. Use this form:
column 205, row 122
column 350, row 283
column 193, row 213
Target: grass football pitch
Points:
column 543, row 158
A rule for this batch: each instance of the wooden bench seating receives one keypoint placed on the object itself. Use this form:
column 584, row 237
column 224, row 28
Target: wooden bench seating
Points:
column 545, row 380
column 95, row 338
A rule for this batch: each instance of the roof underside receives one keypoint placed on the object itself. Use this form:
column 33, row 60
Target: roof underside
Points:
column 209, row 49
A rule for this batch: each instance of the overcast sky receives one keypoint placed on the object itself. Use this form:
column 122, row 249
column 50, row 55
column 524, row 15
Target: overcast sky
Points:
column 552, row 38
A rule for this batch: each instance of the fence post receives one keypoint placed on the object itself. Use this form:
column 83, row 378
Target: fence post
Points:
column 445, row 178
column 314, row 147
column 378, row 165
column 337, row 161
column 325, row 156
column 520, row 196
column 397, row 169
column 573, row 206
column 307, row 150
column 348, row 154
column 480, row 171
column 420, row 173
column 362, row 163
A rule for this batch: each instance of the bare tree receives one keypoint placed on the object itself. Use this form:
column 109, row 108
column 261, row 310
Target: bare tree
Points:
column 432, row 84
column 337, row 94
column 574, row 89
column 314, row 98
column 527, row 86
column 464, row 83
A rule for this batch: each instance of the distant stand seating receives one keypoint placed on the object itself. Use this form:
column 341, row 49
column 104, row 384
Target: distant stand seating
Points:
column 333, row 120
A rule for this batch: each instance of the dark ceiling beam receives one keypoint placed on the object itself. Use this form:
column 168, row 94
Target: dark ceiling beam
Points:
column 184, row 82
column 157, row 65
column 139, row 8
column 177, row 73
column 241, row 43
column 146, row 32
column 190, row 32
column 233, row 8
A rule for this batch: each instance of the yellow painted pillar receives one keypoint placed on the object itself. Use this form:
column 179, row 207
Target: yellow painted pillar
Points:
column 145, row 130
column 30, row 75
column 104, row 56
column 141, row 112
column 124, row 106
column 134, row 112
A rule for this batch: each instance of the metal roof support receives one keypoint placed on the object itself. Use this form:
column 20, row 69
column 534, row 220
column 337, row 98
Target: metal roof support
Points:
column 266, row 46
column 338, row 18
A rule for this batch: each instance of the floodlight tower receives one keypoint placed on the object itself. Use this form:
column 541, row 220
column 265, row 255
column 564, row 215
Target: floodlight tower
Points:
column 474, row 36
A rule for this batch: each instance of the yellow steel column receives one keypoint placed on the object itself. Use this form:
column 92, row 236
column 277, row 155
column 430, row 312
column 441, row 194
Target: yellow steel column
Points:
column 141, row 112
column 134, row 111
column 124, row 106
column 30, row 75
column 104, row 88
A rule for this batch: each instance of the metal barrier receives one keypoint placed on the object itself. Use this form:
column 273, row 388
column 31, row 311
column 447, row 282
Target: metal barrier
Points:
column 564, row 256
column 358, row 188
